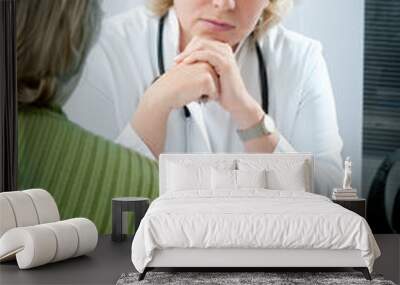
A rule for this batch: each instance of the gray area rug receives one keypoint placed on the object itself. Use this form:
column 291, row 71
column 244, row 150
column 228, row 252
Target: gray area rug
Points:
column 225, row 278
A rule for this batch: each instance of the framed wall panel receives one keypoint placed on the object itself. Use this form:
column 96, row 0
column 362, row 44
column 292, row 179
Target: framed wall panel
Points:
column 8, row 104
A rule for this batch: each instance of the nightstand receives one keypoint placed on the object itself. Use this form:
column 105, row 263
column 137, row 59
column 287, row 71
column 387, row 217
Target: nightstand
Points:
column 358, row 206
column 137, row 205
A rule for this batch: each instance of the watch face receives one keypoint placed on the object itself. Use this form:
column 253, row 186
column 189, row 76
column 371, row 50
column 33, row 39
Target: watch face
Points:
column 269, row 125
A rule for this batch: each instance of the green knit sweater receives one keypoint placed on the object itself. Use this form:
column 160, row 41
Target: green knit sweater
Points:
column 82, row 171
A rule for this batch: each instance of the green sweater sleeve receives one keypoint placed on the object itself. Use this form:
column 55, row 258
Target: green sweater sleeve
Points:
column 82, row 171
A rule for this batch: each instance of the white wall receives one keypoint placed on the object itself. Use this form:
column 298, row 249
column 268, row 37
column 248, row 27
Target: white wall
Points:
column 339, row 25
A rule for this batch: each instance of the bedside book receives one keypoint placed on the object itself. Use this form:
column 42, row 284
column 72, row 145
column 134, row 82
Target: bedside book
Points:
column 344, row 194
column 344, row 198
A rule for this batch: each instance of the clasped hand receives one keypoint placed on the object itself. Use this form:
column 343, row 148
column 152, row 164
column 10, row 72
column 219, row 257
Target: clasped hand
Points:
column 205, row 67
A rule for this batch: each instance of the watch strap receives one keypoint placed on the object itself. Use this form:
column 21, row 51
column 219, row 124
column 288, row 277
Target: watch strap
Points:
column 253, row 132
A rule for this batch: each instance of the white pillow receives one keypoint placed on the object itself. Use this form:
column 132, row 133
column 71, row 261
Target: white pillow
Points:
column 223, row 179
column 282, row 174
column 251, row 179
column 294, row 181
column 182, row 177
column 229, row 179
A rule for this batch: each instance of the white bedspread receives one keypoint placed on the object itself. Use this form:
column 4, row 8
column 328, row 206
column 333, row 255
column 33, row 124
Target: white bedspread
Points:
column 250, row 218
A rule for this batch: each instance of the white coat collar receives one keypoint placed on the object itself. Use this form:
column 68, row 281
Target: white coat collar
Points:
column 198, row 135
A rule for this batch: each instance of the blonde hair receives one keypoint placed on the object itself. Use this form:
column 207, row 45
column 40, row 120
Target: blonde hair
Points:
column 52, row 40
column 271, row 15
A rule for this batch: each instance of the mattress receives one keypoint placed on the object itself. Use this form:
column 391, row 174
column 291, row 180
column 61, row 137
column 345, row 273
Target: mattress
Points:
column 251, row 219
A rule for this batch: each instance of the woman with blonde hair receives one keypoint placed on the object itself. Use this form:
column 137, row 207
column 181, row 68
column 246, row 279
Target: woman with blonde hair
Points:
column 82, row 171
column 210, row 76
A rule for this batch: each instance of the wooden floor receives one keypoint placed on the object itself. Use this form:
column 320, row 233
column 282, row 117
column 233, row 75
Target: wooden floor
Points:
column 103, row 266
column 110, row 260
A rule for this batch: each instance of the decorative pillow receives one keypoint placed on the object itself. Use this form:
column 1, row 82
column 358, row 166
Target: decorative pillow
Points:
column 223, row 179
column 251, row 179
column 181, row 177
column 294, row 181
column 282, row 173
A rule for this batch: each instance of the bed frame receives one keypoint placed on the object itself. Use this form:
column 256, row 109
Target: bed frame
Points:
column 234, row 259
column 250, row 259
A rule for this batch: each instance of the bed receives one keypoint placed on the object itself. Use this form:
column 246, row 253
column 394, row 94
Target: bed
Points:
column 246, row 211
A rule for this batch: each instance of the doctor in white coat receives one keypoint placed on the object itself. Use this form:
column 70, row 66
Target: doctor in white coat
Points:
column 229, row 78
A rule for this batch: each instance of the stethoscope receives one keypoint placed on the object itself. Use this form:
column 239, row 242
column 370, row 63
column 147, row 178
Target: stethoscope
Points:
column 261, row 66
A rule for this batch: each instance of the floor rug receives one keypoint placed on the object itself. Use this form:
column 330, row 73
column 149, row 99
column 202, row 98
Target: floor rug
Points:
column 273, row 278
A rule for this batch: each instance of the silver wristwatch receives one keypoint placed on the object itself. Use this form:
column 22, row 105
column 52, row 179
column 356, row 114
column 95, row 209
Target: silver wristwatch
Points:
column 265, row 127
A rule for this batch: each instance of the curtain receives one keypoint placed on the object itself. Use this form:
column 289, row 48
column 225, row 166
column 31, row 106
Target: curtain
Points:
column 381, row 131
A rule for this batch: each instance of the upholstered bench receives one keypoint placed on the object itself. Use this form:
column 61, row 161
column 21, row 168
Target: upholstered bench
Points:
column 31, row 231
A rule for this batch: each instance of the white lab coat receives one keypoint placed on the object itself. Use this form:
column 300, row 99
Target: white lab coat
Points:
column 123, row 64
